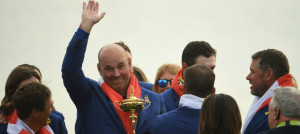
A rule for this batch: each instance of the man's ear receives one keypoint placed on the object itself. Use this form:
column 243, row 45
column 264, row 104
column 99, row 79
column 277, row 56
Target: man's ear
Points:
column 277, row 113
column 130, row 65
column 35, row 113
column 269, row 74
column 99, row 68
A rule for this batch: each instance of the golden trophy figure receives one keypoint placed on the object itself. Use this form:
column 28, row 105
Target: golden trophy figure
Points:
column 133, row 105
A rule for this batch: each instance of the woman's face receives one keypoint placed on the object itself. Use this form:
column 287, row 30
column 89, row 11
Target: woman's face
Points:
column 166, row 76
column 28, row 81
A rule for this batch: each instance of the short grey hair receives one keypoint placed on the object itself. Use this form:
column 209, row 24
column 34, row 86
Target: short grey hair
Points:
column 287, row 99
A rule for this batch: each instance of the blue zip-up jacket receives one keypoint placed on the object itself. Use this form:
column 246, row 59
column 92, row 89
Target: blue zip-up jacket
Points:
column 95, row 111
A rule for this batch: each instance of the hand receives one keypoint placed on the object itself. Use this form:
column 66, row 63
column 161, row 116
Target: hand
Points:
column 90, row 15
column 3, row 119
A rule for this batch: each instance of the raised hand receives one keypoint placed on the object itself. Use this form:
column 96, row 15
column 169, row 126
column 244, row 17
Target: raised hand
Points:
column 90, row 15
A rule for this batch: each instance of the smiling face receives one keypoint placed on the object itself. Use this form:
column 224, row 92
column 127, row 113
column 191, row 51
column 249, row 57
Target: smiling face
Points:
column 115, row 67
column 257, row 79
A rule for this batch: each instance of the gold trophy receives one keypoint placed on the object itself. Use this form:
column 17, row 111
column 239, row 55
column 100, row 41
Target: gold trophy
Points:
column 133, row 105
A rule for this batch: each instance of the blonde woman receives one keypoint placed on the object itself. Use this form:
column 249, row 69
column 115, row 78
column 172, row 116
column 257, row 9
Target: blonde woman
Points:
column 164, row 77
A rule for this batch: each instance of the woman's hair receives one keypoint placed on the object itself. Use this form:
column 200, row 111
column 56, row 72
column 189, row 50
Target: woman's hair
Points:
column 139, row 74
column 220, row 114
column 32, row 67
column 171, row 68
column 17, row 76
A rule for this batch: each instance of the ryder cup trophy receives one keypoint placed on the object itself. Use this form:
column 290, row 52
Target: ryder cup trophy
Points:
column 133, row 105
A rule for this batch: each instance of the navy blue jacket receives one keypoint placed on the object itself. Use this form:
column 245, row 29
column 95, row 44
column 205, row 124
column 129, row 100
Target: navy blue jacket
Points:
column 183, row 120
column 171, row 99
column 146, row 85
column 259, row 122
column 95, row 111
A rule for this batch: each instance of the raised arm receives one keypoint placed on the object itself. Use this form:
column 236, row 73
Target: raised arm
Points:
column 74, row 79
column 90, row 15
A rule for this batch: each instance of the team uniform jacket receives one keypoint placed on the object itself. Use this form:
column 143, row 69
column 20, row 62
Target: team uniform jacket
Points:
column 95, row 111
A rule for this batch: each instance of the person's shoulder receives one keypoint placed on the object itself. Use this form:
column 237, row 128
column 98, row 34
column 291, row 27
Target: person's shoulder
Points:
column 58, row 114
column 262, row 114
column 170, row 114
column 167, row 117
column 151, row 95
column 54, row 117
column 259, row 122
column 146, row 85
column 57, row 124
column 167, row 92
column 148, row 92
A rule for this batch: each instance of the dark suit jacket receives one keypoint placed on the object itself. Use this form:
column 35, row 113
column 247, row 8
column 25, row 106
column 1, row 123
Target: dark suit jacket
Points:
column 146, row 85
column 259, row 122
column 183, row 120
column 171, row 99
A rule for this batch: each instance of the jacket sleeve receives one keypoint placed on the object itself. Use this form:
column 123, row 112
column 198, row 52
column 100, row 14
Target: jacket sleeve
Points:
column 74, row 79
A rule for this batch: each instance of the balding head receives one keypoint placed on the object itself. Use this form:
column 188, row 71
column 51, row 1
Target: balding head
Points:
column 114, row 67
column 110, row 49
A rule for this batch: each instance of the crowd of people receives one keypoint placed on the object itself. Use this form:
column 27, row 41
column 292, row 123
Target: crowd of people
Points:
column 183, row 98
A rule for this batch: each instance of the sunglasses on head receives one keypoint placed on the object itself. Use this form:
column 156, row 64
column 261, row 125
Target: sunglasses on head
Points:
column 163, row 83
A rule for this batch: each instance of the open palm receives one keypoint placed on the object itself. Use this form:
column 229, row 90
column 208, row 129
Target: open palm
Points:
column 90, row 15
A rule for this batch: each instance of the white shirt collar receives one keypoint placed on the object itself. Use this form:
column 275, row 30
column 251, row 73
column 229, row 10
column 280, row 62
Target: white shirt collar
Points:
column 191, row 101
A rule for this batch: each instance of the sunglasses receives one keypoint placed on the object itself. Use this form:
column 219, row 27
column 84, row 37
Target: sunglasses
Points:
column 163, row 83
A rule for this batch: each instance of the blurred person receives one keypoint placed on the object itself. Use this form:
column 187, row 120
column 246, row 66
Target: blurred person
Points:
column 143, row 81
column 269, row 70
column 33, row 105
column 20, row 76
column 199, row 82
column 139, row 74
column 195, row 52
column 95, row 103
column 164, row 77
column 284, row 112
column 220, row 114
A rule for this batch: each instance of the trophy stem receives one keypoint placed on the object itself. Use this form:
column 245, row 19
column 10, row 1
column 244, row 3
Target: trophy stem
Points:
column 133, row 117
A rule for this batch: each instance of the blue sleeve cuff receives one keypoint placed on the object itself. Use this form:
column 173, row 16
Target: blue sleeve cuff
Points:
column 82, row 34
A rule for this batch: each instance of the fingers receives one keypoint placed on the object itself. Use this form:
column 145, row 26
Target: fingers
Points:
column 100, row 16
column 84, row 6
column 91, row 5
column 96, row 7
